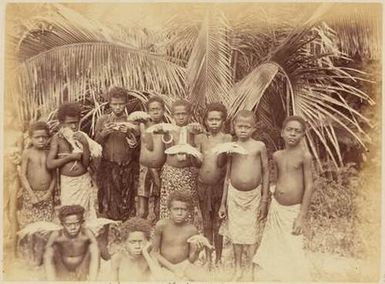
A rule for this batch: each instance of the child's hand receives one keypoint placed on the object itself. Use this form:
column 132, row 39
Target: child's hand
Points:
column 125, row 127
column 222, row 212
column 34, row 199
column 108, row 129
column 195, row 128
column 262, row 211
column 80, row 137
column 147, row 247
column 298, row 225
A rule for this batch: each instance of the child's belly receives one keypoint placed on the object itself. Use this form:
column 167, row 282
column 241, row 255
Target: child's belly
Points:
column 73, row 262
column 210, row 173
column 246, row 177
column 39, row 180
column 152, row 159
column 288, row 192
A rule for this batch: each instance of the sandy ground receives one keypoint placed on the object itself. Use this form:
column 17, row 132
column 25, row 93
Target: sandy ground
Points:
column 325, row 268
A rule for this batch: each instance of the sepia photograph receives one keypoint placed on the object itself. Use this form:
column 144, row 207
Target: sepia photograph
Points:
column 192, row 142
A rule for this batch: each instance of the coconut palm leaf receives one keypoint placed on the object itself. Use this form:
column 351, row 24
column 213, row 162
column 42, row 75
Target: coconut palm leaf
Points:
column 208, row 73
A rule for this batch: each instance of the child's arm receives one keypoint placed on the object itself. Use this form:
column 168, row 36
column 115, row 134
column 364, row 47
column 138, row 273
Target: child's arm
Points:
column 194, row 249
column 115, row 264
column 51, row 186
column 95, row 256
column 86, row 148
column 102, row 130
column 198, row 140
column 265, row 184
column 222, row 158
column 53, row 162
column 156, row 243
column 48, row 257
column 24, row 180
column 154, row 266
column 222, row 209
column 308, row 182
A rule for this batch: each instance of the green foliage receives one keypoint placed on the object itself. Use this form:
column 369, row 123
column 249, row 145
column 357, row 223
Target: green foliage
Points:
column 333, row 215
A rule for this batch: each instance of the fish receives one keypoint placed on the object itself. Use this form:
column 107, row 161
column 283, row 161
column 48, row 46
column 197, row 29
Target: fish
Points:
column 164, row 127
column 200, row 238
column 139, row 116
column 184, row 149
column 229, row 147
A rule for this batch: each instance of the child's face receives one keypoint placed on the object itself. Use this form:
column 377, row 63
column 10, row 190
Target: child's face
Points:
column 214, row 121
column 118, row 105
column 292, row 133
column 156, row 111
column 39, row 138
column 72, row 225
column 71, row 122
column 178, row 211
column 181, row 115
column 244, row 128
column 135, row 243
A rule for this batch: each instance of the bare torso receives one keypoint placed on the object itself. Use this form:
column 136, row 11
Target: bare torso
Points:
column 290, row 177
column 246, row 170
column 153, row 156
column 174, row 246
column 73, row 168
column 38, row 176
column 210, row 172
column 72, row 251
column 133, row 269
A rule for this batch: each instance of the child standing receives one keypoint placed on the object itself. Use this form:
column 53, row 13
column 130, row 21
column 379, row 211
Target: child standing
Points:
column 38, row 184
column 285, row 222
column 171, row 246
column 72, row 253
column 211, row 175
column 248, row 179
column 119, row 168
column 76, row 186
column 151, row 159
column 179, row 172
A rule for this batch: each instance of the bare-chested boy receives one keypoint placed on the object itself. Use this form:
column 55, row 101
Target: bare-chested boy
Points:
column 280, row 255
column 75, row 182
column 179, row 171
column 211, row 174
column 152, row 159
column 38, row 184
column 132, row 262
column 119, row 168
column 72, row 253
column 245, row 197
column 170, row 241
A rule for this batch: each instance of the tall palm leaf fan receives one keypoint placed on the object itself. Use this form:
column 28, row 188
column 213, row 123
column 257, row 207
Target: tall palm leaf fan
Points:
column 208, row 72
column 76, row 55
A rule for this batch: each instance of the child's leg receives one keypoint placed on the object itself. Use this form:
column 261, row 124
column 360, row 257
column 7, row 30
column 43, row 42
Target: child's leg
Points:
column 102, row 240
column 143, row 207
column 218, row 239
column 238, row 249
column 250, row 252
column 156, row 208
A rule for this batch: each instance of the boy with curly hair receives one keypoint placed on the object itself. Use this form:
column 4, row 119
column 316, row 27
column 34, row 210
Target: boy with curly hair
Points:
column 132, row 262
column 72, row 253
column 119, row 167
column 76, row 185
column 173, row 245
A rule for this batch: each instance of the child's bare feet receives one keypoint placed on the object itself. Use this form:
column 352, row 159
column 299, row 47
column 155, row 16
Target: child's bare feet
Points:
column 237, row 274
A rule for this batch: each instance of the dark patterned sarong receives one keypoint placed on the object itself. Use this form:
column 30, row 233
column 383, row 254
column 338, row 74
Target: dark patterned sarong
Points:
column 117, row 189
column 174, row 179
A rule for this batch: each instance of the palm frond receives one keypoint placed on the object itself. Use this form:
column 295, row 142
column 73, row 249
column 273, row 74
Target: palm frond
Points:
column 208, row 73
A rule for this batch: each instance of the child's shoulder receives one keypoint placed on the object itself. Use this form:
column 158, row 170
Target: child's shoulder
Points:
column 227, row 137
column 161, row 224
column 257, row 143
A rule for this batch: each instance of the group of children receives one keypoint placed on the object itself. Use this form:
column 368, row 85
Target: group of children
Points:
column 189, row 170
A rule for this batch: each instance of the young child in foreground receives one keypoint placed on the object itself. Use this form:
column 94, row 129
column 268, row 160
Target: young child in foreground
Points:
column 133, row 262
column 72, row 253
column 152, row 159
column 172, row 246
column 38, row 184
column 280, row 255
column 212, row 174
column 246, row 193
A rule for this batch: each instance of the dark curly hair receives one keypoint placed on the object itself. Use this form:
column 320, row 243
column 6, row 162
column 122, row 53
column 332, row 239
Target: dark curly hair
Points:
column 135, row 224
column 180, row 195
column 68, row 109
column 117, row 92
column 155, row 99
column 38, row 125
column 295, row 118
column 215, row 107
column 184, row 103
column 68, row 210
